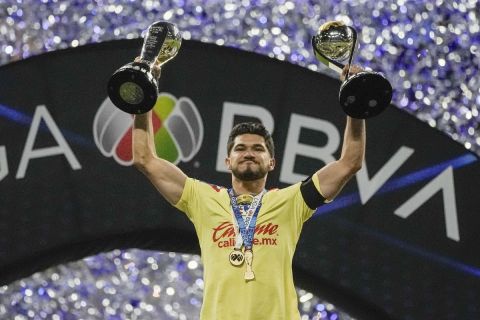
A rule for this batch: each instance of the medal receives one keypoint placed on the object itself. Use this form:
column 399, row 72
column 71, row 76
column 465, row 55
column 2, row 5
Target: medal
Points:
column 245, row 199
column 249, row 275
column 244, row 229
column 236, row 258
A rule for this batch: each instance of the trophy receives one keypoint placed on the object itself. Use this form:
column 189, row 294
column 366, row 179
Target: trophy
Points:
column 363, row 95
column 133, row 88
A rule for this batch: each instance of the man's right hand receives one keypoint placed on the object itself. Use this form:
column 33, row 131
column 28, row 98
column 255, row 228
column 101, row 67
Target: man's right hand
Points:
column 354, row 69
column 156, row 69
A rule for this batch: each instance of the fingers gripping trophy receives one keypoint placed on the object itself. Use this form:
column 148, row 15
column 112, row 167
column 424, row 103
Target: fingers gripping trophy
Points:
column 363, row 95
column 134, row 87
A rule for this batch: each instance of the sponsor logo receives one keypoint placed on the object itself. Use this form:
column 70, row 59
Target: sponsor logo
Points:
column 265, row 234
column 177, row 129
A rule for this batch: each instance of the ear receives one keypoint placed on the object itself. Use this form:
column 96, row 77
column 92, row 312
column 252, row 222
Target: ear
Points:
column 271, row 165
column 227, row 163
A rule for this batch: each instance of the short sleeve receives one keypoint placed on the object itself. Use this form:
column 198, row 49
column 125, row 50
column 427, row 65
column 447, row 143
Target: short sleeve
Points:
column 301, row 207
column 189, row 194
column 292, row 202
column 314, row 199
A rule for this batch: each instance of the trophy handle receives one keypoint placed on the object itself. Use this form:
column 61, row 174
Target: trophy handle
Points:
column 332, row 64
column 354, row 45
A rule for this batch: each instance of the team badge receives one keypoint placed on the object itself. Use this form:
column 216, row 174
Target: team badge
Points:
column 236, row 257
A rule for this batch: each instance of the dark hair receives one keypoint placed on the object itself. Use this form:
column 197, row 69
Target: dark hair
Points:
column 252, row 128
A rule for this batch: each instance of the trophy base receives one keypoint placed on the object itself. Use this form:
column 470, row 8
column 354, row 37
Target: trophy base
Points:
column 133, row 89
column 365, row 95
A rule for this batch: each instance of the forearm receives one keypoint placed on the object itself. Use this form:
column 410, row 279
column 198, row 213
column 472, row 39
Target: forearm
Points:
column 165, row 176
column 142, row 139
column 353, row 149
column 333, row 176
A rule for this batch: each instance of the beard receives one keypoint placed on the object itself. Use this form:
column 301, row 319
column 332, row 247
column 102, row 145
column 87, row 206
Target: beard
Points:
column 249, row 174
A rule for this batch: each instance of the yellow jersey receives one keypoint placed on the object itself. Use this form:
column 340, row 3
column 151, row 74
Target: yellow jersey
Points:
column 227, row 295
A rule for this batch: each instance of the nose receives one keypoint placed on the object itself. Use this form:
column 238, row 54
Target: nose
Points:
column 249, row 155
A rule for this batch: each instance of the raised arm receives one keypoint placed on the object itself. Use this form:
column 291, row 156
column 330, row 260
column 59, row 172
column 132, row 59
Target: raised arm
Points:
column 167, row 178
column 333, row 176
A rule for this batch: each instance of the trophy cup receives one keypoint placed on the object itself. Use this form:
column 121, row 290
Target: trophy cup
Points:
column 363, row 95
column 133, row 88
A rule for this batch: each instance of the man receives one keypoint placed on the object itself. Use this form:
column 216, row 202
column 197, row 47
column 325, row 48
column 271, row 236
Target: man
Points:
column 248, row 235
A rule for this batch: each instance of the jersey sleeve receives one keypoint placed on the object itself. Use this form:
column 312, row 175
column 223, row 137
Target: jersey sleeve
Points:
column 187, row 202
column 306, row 209
column 197, row 198
column 304, row 212
column 291, row 199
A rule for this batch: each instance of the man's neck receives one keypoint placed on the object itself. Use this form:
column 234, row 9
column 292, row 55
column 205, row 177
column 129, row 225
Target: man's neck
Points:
column 248, row 187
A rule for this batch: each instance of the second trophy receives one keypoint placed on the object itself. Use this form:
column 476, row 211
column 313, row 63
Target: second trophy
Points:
column 133, row 88
column 363, row 95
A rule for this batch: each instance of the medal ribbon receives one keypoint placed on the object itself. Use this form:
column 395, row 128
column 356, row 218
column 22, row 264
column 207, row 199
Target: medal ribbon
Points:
column 246, row 226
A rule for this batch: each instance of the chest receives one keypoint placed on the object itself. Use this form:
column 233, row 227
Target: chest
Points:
column 274, row 226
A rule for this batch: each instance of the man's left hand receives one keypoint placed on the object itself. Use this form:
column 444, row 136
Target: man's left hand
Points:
column 354, row 69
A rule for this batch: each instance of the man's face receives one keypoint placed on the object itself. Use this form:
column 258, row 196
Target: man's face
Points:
column 249, row 158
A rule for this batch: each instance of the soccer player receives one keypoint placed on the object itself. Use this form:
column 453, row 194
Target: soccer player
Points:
column 247, row 234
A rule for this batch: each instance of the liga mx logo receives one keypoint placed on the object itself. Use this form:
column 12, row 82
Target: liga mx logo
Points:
column 177, row 130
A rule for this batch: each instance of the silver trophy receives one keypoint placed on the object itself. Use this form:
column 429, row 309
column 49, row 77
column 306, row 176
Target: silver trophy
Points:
column 134, row 88
column 363, row 95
